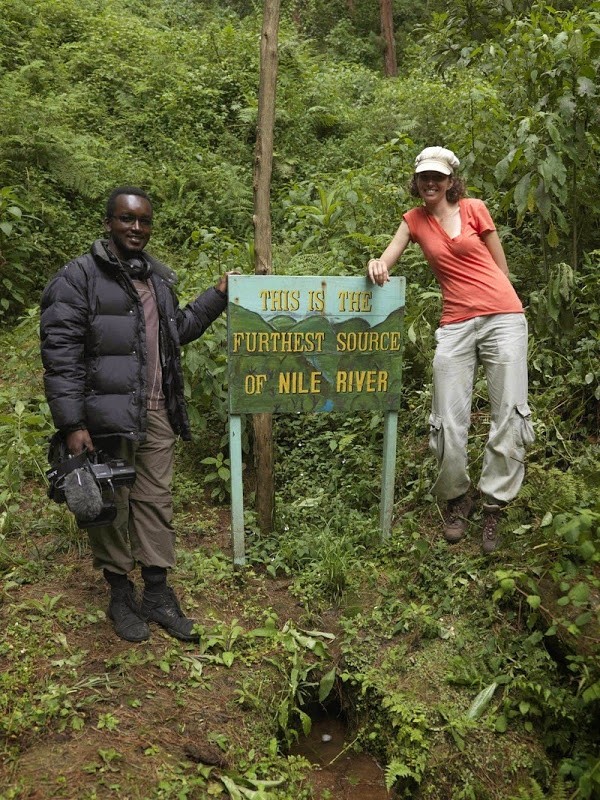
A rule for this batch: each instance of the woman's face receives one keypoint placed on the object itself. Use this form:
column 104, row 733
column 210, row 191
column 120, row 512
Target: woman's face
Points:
column 433, row 186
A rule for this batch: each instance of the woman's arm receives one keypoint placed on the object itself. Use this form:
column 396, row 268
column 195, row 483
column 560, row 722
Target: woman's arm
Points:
column 494, row 245
column 378, row 269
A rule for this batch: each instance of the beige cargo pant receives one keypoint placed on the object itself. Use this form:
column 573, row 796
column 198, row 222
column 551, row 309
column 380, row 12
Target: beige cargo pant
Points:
column 499, row 343
column 142, row 531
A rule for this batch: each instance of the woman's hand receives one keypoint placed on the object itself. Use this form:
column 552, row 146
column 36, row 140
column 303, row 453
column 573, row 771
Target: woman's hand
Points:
column 378, row 269
column 378, row 272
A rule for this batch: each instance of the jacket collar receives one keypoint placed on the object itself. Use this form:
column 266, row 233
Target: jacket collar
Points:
column 108, row 261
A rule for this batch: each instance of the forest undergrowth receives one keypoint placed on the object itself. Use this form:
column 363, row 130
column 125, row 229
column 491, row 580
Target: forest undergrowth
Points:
column 466, row 677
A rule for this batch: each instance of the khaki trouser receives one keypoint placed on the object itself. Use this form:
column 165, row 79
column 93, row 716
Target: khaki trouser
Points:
column 142, row 531
column 499, row 343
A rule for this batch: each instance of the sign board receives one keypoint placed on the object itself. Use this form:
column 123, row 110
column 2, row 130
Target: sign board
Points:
column 310, row 344
column 314, row 344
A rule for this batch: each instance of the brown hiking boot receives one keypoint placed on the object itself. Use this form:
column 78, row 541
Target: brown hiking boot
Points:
column 491, row 518
column 456, row 517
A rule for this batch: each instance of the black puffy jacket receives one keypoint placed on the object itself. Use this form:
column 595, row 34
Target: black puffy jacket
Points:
column 94, row 344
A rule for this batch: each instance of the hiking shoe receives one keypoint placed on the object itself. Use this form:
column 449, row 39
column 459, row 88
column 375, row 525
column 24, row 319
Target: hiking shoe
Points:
column 456, row 517
column 159, row 604
column 491, row 518
column 124, row 613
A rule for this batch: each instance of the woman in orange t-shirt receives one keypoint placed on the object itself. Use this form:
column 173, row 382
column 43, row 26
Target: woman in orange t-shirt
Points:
column 482, row 323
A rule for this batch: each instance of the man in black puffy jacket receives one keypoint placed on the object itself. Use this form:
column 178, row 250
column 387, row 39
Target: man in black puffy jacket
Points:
column 111, row 332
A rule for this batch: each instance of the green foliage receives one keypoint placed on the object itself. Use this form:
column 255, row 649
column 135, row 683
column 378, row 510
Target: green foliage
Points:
column 552, row 307
column 564, row 359
column 326, row 560
column 163, row 94
column 543, row 62
column 535, row 792
column 410, row 724
column 30, row 706
column 16, row 248
column 24, row 420
column 299, row 656
column 220, row 476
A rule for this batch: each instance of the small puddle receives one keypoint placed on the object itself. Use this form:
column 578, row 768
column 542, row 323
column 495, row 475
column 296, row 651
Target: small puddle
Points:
column 340, row 773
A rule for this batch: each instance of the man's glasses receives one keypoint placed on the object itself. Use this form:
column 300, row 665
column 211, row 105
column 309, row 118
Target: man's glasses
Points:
column 130, row 219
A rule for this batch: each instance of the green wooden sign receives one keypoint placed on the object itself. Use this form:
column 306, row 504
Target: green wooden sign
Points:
column 314, row 344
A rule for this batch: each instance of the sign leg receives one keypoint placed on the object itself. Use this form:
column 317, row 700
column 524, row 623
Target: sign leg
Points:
column 237, row 490
column 388, row 473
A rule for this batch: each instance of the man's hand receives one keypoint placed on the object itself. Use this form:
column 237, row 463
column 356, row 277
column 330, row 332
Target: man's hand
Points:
column 78, row 441
column 222, row 284
column 377, row 271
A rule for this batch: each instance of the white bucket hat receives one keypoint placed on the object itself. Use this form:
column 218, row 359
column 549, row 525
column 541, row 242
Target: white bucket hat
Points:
column 436, row 159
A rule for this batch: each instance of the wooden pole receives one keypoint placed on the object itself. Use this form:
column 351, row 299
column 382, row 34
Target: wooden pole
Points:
column 263, row 166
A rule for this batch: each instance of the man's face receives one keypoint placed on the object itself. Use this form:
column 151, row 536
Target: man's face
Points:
column 130, row 226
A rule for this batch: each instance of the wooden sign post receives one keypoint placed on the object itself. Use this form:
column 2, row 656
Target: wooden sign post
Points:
column 310, row 344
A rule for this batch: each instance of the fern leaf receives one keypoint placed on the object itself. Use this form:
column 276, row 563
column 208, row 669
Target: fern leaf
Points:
column 394, row 770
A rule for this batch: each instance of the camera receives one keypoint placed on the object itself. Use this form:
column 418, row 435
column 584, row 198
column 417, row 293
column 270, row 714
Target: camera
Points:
column 87, row 484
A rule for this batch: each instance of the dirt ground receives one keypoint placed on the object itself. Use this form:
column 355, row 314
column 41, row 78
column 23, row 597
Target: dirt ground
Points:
column 174, row 706
column 87, row 715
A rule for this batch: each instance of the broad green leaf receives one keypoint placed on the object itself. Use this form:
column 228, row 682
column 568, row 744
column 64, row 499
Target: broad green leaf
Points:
column 555, row 167
column 481, row 702
column 228, row 658
column 586, row 87
column 521, row 193
column 501, row 724
column 584, row 619
column 587, row 549
column 580, row 593
column 543, row 201
column 306, row 722
column 552, row 236
column 326, row 684
column 591, row 693
column 567, row 106
column 262, row 632
column 553, row 131
column 321, row 634
column 232, row 788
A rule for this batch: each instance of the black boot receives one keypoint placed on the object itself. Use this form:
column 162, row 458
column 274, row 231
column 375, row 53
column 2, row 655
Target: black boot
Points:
column 159, row 604
column 123, row 609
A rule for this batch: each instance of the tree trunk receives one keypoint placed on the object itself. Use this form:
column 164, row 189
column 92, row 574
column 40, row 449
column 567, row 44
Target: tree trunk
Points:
column 387, row 31
column 263, row 164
